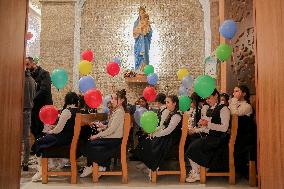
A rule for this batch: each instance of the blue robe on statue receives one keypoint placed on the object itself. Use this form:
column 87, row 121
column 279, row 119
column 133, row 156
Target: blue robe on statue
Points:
column 141, row 48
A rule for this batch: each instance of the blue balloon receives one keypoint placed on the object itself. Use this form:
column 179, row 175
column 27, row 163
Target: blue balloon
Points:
column 86, row 83
column 183, row 91
column 228, row 29
column 106, row 110
column 187, row 82
column 117, row 60
column 106, row 100
column 152, row 78
column 138, row 113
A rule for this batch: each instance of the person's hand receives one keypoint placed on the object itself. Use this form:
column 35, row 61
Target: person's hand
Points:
column 191, row 130
column 100, row 125
column 203, row 122
column 93, row 137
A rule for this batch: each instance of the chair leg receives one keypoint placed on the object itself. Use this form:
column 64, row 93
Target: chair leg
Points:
column 124, row 169
column 95, row 172
column 202, row 175
column 154, row 176
column 252, row 173
column 73, row 172
column 232, row 175
column 182, row 174
column 44, row 164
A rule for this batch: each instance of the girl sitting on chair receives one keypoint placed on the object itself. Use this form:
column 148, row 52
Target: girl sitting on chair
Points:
column 206, row 150
column 104, row 145
column 153, row 149
column 61, row 134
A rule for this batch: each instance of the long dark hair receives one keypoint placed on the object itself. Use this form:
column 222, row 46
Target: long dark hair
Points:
column 245, row 89
column 122, row 95
column 71, row 98
column 216, row 92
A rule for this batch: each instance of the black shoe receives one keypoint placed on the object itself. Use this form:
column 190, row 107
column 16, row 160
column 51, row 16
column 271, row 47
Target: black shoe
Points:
column 25, row 167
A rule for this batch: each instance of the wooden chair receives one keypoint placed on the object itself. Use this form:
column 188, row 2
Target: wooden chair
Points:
column 252, row 173
column 69, row 151
column 231, row 173
column 182, row 171
column 124, row 169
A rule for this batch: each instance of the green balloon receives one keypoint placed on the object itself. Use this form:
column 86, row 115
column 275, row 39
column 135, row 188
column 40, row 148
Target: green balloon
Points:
column 204, row 85
column 59, row 78
column 148, row 69
column 149, row 121
column 184, row 103
column 223, row 52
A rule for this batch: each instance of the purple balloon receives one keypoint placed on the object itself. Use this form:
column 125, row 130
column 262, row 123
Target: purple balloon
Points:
column 138, row 113
column 187, row 82
column 183, row 91
column 86, row 83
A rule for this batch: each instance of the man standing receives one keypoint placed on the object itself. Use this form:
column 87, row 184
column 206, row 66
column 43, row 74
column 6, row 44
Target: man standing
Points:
column 42, row 97
column 29, row 93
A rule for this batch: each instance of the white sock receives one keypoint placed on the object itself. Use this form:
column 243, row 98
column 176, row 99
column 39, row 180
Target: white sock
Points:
column 195, row 167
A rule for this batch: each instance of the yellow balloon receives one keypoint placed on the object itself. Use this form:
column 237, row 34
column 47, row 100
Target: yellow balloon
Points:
column 85, row 67
column 182, row 73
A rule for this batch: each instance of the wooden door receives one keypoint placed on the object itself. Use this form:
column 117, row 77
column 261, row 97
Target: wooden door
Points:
column 269, row 24
column 12, row 44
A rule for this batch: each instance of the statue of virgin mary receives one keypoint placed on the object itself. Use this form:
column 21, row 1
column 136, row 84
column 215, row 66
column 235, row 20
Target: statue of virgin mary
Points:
column 142, row 33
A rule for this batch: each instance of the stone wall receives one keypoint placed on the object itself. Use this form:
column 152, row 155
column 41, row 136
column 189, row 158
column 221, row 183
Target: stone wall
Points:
column 105, row 27
column 177, row 42
column 57, row 41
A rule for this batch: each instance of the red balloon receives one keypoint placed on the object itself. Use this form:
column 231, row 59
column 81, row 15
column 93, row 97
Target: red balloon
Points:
column 87, row 55
column 113, row 69
column 93, row 98
column 48, row 114
column 149, row 94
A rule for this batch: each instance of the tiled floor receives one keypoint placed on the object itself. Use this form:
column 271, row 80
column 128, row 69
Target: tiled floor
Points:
column 136, row 179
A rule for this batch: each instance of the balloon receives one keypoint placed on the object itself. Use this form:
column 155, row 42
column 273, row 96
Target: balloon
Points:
column 152, row 79
column 204, row 85
column 138, row 113
column 117, row 60
column 228, row 29
column 148, row 69
column 87, row 55
column 106, row 110
column 106, row 100
column 184, row 103
column 182, row 73
column 223, row 52
column 29, row 35
column 149, row 121
column 149, row 94
column 93, row 98
column 187, row 82
column 86, row 83
column 210, row 60
column 48, row 114
column 183, row 91
column 85, row 67
column 59, row 78
column 113, row 69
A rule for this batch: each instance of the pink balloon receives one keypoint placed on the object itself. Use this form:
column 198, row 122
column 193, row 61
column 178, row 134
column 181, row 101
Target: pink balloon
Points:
column 113, row 69
column 48, row 114
column 87, row 55
column 93, row 98
column 29, row 35
column 149, row 94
